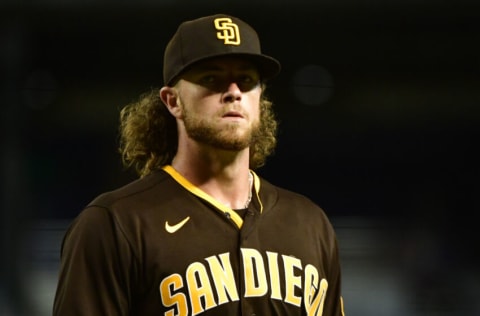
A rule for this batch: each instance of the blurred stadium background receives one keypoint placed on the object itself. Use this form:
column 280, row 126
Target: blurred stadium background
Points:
column 379, row 105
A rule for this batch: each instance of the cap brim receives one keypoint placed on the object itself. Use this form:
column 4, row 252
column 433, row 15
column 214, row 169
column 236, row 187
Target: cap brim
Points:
column 268, row 67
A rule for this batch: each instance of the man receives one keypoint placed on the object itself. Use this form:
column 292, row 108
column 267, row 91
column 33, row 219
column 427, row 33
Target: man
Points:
column 200, row 233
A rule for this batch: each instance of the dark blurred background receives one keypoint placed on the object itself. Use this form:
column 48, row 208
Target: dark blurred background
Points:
column 379, row 115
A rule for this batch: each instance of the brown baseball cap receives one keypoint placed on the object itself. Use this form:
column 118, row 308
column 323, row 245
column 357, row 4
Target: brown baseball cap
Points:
column 214, row 36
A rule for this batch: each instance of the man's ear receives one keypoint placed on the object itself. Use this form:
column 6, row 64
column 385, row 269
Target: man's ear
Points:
column 169, row 97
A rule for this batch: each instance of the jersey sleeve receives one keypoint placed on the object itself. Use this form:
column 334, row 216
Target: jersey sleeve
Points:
column 334, row 300
column 94, row 268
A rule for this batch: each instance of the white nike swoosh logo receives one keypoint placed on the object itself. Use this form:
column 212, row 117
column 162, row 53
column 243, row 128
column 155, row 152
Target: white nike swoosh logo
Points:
column 173, row 228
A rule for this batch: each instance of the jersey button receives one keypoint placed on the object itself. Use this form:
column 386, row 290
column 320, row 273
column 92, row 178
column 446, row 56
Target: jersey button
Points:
column 227, row 214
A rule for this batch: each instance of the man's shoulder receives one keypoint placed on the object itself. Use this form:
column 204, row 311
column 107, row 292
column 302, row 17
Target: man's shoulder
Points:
column 142, row 189
column 141, row 200
column 280, row 192
column 276, row 196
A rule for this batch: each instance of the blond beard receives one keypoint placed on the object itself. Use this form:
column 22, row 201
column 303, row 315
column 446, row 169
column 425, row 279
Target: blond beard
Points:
column 202, row 131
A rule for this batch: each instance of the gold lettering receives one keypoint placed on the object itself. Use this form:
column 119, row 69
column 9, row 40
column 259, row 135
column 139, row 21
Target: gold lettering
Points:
column 199, row 289
column 223, row 277
column 321, row 296
column 254, row 266
column 291, row 280
column 274, row 275
column 314, row 294
column 206, row 287
column 229, row 31
column 173, row 282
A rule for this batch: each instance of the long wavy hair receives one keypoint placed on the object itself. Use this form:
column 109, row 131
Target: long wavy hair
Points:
column 149, row 137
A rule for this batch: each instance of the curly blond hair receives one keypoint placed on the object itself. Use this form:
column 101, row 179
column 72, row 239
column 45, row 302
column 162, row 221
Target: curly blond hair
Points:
column 149, row 138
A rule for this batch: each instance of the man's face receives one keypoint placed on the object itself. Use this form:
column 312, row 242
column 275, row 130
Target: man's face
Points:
column 220, row 101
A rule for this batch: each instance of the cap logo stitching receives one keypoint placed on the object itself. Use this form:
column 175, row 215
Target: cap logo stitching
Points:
column 229, row 32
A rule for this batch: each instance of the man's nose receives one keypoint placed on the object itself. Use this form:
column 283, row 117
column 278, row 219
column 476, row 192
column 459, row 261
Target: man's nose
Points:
column 232, row 93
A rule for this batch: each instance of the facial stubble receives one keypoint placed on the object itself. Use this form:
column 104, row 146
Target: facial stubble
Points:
column 227, row 138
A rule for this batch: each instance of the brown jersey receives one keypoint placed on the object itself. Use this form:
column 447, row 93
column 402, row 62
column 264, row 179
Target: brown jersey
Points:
column 161, row 246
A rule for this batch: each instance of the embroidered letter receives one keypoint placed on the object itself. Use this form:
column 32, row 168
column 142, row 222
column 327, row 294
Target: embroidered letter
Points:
column 229, row 32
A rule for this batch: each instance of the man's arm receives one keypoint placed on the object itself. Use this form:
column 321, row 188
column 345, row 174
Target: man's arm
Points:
column 95, row 260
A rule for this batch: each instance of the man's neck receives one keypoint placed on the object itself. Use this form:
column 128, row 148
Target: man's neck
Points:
column 224, row 178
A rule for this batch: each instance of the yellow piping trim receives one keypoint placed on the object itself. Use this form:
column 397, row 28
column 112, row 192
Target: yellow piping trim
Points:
column 256, row 185
column 198, row 192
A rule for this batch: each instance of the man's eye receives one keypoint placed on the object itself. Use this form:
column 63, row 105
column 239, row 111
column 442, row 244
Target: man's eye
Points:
column 246, row 79
column 209, row 79
column 247, row 82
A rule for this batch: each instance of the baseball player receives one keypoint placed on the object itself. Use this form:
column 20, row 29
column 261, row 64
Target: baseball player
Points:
column 200, row 233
